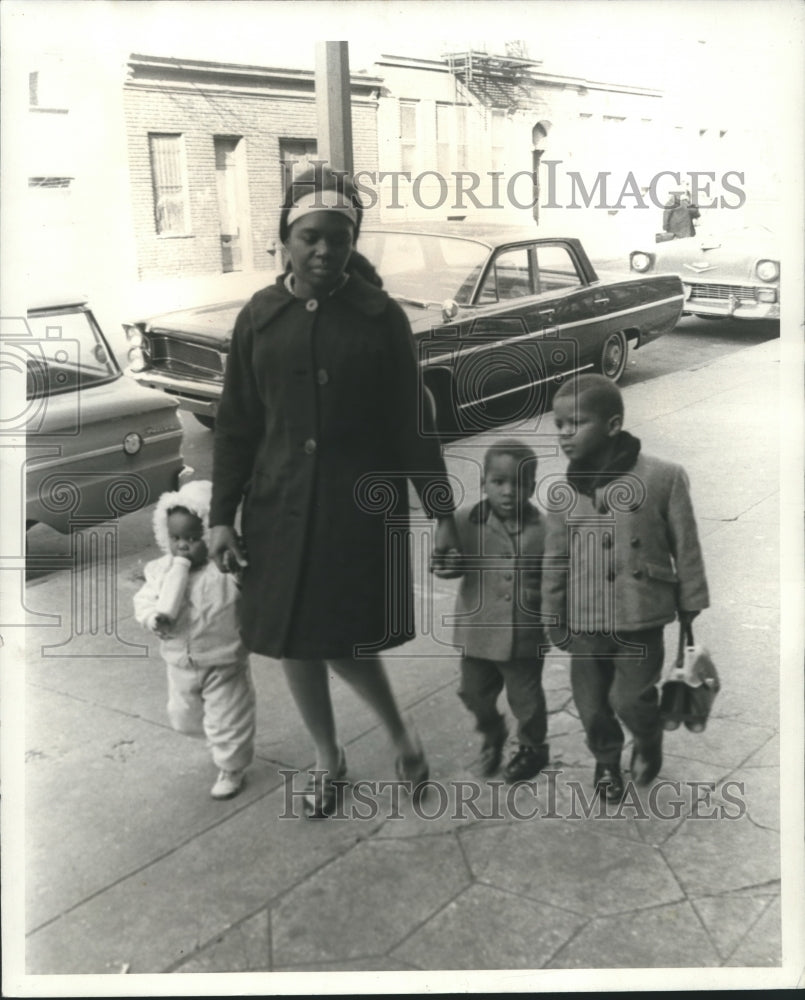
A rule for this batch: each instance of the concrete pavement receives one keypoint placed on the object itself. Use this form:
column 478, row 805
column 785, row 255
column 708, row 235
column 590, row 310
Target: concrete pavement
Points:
column 130, row 865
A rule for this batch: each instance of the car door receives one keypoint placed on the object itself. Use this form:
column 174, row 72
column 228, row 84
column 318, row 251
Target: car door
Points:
column 500, row 370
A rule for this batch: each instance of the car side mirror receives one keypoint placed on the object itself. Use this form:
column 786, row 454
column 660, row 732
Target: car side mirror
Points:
column 449, row 310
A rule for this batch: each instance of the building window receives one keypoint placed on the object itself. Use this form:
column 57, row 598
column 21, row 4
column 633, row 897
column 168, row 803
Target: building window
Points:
column 443, row 138
column 169, row 178
column 498, row 138
column 452, row 141
column 408, row 143
column 462, row 143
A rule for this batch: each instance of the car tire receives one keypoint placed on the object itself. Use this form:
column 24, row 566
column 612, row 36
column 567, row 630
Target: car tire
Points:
column 613, row 355
column 705, row 316
column 205, row 421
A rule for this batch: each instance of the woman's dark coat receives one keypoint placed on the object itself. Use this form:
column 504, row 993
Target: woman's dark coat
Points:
column 319, row 425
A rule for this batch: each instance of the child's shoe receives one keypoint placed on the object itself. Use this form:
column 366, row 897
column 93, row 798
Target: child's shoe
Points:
column 525, row 763
column 321, row 794
column 646, row 762
column 227, row 784
column 609, row 782
column 492, row 750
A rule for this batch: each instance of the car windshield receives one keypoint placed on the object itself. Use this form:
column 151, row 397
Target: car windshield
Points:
column 68, row 353
column 423, row 268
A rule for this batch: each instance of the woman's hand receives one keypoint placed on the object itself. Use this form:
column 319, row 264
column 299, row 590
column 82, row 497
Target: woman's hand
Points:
column 225, row 549
column 446, row 558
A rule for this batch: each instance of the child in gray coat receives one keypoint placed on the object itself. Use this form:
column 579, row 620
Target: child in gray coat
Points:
column 622, row 560
column 498, row 625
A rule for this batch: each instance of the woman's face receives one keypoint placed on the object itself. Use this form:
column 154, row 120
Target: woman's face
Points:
column 319, row 245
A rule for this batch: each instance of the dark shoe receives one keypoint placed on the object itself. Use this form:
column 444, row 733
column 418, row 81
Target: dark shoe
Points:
column 525, row 763
column 609, row 782
column 321, row 794
column 492, row 750
column 413, row 768
column 646, row 762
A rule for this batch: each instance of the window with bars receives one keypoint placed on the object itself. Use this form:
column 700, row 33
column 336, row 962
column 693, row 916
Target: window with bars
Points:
column 169, row 179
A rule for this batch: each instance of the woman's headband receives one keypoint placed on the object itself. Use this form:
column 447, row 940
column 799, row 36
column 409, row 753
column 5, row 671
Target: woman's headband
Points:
column 322, row 201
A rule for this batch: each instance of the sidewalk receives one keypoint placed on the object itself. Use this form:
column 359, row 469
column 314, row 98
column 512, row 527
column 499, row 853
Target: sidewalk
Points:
column 132, row 867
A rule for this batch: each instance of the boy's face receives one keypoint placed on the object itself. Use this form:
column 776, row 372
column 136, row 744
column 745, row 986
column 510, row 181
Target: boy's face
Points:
column 583, row 433
column 186, row 534
column 506, row 488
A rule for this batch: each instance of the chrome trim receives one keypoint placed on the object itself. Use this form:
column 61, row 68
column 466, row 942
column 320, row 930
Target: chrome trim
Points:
column 543, row 330
column 31, row 465
column 152, row 379
column 525, row 385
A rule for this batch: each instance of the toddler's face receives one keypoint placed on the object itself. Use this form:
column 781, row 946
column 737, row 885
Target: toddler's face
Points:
column 186, row 534
column 506, row 489
column 583, row 433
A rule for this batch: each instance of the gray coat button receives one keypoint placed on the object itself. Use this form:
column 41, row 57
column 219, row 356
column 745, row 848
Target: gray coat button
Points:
column 310, row 446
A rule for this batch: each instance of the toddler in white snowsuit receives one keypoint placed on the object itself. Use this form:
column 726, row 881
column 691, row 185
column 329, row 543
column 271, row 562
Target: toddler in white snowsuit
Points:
column 193, row 608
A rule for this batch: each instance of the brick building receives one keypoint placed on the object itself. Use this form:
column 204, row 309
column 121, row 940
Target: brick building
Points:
column 209, row 147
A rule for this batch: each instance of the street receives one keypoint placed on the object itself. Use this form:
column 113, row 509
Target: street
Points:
column 693, row 344
column 132, row 867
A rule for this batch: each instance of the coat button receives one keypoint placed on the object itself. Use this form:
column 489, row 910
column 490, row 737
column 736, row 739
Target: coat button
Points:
column 311, row 305
column 637, row 574
column 507, row 597
column 634, row 542
column 322, row 377
column 310, row 446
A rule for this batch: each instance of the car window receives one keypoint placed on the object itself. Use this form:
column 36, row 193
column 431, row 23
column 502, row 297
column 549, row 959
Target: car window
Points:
column 556, row 268
column 425, row 267
column 69, row 353
column 508, row 278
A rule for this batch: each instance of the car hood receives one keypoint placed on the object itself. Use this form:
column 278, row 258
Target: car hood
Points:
column 212, row 324
column 714, row 258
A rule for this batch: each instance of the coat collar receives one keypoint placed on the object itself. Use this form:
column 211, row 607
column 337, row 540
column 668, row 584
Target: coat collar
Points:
column 269, row 302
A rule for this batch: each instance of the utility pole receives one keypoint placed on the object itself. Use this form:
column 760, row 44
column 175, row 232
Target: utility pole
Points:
column 333, row 105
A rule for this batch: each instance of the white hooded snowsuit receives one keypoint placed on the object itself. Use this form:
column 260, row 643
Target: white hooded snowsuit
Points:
column 210, row 690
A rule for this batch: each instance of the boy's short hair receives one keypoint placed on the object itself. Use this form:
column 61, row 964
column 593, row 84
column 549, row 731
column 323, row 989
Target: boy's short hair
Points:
column 600, row 394
column 512, row 448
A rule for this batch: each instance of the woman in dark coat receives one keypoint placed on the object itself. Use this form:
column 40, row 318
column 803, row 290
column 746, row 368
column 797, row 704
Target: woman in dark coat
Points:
column 316, row 433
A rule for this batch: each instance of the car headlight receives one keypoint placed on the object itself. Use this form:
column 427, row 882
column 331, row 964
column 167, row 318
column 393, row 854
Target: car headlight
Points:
column 132, row 443
column 640, row 261
column 686, row 290
column 138, row 360
column 768, row 270
column 134, row 334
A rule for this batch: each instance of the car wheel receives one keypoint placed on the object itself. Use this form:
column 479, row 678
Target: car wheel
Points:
column 612, row 359
column 205, row 421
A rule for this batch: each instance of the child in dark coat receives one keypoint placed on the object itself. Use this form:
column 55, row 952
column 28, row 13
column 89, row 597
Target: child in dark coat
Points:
column 498, row 625
column 622, row 560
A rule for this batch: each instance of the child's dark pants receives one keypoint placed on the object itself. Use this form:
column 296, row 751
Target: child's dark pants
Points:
column 608, row 679
column 483, row 680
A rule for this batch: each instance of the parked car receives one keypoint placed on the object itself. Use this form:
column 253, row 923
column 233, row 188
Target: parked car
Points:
column 98, row 444
column 735, row 274
column 499, row 318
